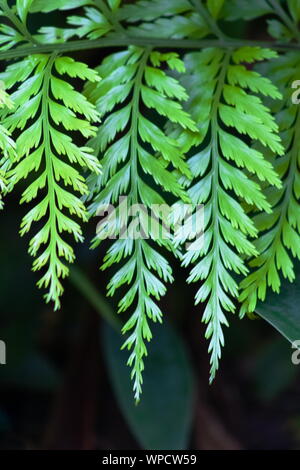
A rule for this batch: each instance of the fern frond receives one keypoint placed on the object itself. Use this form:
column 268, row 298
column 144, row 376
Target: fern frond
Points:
column 45, row 105
column 280, row 231
column 222, row 100
column 162, row 18
column 99, row 18
column 9, row 37
column 135, row 148
column 7, row 145
column 93, row 25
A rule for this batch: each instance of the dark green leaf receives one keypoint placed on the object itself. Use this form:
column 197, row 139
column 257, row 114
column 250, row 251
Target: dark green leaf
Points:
column 4, row 421
column 273, row 371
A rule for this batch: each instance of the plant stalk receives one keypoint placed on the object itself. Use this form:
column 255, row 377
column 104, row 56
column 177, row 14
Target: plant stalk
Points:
column 123, row 41
column 93, row 296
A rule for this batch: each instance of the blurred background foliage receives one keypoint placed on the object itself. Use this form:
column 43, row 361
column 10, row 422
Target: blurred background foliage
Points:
column 65, row 385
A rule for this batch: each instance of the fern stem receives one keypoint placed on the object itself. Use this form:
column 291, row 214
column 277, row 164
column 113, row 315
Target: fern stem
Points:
column 49, row 166
column 290, row 178
column 203, row 12
column 109, row 15
column 86, row 288
column 134, row 123
column 215, row 213
column 17, row 23
column 289, row 182
column 134, row 200
column 122, row 41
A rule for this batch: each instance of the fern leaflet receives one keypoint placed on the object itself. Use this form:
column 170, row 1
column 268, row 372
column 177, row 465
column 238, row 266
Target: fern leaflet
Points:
column 220, row 166
column 43, row 101
column 279, row 230
column 134, row 146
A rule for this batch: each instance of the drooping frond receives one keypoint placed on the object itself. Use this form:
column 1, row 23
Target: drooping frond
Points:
column 10, row 35
column 162, row 18
column 134, row 149
column 46, row 109
column 224, row 103
column 280, row 231
column 7, row 145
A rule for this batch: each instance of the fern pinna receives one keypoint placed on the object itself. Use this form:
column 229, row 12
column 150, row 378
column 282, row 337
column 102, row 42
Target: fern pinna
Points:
column 133, row 79
column 280, row 229
column 223, row 185
column 41, row 102
column 154, row 124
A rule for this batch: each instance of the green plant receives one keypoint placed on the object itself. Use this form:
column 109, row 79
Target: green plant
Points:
column 7, row 145
column 210, row 126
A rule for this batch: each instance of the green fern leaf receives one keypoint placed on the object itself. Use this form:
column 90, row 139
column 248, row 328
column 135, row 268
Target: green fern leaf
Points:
column 280, row 230
column 42, row 102
column 220, row 164
column 133, row 146
column 93, row 25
